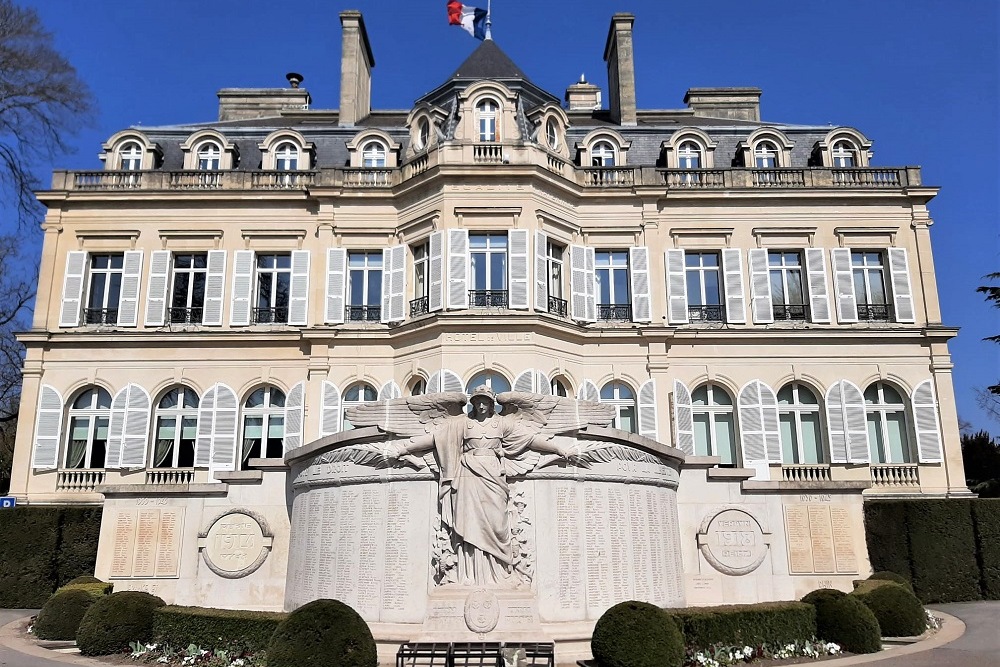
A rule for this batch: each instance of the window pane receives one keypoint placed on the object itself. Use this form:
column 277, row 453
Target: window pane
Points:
column 896, row 427
column 621, row 286
column 713, row 295
column 701, row 435
column 357, row 287
column 812, row 447
column 101, row 430
column 276, row 427
column 79, row 428
column 498, row 272
column 284, row 283
column 114, row 289
column 374, row 287
column 777, row 288
column 726, row 440
column 627, row 419
column 859, row 287
column 478, row 270
column 166, row 429
column 603, row 286
column 789, row 443
column 785, row 395
column 877, row 285
column 189, row 428
column 795, row 288
column 700, row 396
column 875, row 438
column 256, row 399
column 806, row 396
column 253, row 428
column 97, row 290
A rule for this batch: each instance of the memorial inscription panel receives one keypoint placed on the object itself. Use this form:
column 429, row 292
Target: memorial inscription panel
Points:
column 732, row 541
column 236, row 544
column 146, row 543
column 820, row 539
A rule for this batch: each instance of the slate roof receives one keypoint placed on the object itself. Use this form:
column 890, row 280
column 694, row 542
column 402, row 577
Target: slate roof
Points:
column 488, row 62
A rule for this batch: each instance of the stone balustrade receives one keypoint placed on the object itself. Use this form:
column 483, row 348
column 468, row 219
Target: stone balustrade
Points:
column 159, row 476
column 79, row 481
column 817, row 472
column 895, row 474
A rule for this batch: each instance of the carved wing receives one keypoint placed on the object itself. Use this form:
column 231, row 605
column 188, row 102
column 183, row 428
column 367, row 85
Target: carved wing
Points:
column 409, row 416
column 552, row 415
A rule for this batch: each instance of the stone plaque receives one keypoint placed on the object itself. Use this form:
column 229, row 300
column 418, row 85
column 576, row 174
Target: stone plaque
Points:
column 821, row 536
column 168, row 544
column 124, row 544
column 147, row 543
column 733, row 541
column 236, row 543
column 843, row 540
column 820, row 540
column 800, row 558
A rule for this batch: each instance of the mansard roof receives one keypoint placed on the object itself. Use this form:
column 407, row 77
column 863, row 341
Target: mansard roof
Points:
column 488, row 62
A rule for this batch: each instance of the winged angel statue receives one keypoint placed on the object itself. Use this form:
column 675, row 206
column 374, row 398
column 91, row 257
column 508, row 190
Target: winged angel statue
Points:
column 476, row 453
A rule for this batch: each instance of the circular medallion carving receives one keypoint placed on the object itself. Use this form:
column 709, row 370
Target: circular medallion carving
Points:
column 236, row 543
column 733, row 541
column 482, row 611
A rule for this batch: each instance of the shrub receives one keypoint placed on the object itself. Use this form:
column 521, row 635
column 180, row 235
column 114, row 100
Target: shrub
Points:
column 745, row 625
column 62, row 613
column 79, row 533
column 848, row 622
column 233, row 629
column 893, row 577
column 114, row 621
column 942, row 550
column 886, row 534
column 867, row 585
column 83, row 579
column 822, row 595
column 321, row 633
column 97, row 590
column 986, row 518
column 897, row 610
column 637, row 634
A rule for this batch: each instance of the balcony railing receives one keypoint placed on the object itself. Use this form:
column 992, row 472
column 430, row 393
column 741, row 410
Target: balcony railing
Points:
column 100, row 316
column 895, row 474
column 488, row 298
column 557, row 306
column 862, row 177
column 808, row 472
column 694, row 178
column 281, row 180
column 107, row 180
column 875, row 312
column 609, row 177
column 420, row 306
column 614, row 312
column 186, row 315
column 778, row 178
column 784, row 312
column 369, row 177
column 363, row 313
column 170, row 476
column 277, row 315
column 79, row 481
column 707, row 313
column 196, row 180
column 488, row 153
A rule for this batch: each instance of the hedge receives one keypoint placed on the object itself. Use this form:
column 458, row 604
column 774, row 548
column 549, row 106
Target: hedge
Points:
column 986, row 520
column 42, row 548
column 231, row 629
column 741, row 625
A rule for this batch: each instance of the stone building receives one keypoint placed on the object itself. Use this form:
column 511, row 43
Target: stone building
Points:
column 758, row 295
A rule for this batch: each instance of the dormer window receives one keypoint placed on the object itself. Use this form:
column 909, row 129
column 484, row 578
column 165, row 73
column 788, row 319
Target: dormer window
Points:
column 423, row 134
column 765, row 155
column 130, row 156
column 552, row 134
column 689, row 155
column 286, row 157
column 373, row 155
column 487, row 112
column 209, row 156
column 602, row 154
column 844, row 154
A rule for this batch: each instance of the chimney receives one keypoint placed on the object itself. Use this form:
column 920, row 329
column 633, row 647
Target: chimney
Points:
column 583, row 95
column 356, row 63
column 247, row 103
column 734, row 103
column 621, row 69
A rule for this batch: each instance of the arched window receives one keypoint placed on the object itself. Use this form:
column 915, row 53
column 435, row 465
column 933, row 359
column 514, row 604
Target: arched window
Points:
column 130, row 156
column 286, row 156
column 886, row 412
column 357, row 394
column 87, row 445
column 552, row 133
column 621, row 396
column 498, row 383
column 799, row 417
column 373, row 154
column 845, row 154
column 176, row 429
column 689, row 155
column 602, row 154
column 264, row 424
column 714, row 423
column 423, row 134
column 558, row 388
column 419, row 387
column 487, row 113
column 765, row 155
column 209, row 156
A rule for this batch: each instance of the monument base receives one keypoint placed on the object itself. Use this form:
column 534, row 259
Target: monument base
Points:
column 466, row 613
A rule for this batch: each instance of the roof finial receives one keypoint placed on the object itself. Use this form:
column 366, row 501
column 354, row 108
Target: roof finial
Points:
column 489, row 22
column 583, row 78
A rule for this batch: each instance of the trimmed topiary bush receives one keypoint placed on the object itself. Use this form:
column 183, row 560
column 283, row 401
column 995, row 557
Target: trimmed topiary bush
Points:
column 231, row 629
column 822, row 595
column 83, row 579
column 745, row 624
column 848, row 622
column 898, row 611
column 114, row 621
column 637, row 634
column 868, row 585
column 893, row 577
column 320, row 634
column 62, row 613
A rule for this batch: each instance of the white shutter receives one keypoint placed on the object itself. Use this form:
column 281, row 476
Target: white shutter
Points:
column 843, row 283
column 156, row 291
column 647, row 410
column 116, row 429
column 336, row 285
column 902, row 293
column 73, row 283
column 330, row 415
column 752, row 425
column 732, row 271
column 128, row 306
column 394, row 283
column 215, row 287
column 588, row 392
column 206, row 428
column 847, row 423
column 435, row 272
column 458, row 269
column 591, row 284
column 542, row 384
column 519, row 268
column 135, row 437
column 819, row 293
column 224, row 435
column 525, row 382
column 48, row 429
column 239, row 315
column 760, row 287
column 389, row 391
column 638, row 272
column 683, row 419
column 578, row 282
column 298, row 293
column 294, row 417
column 677, row 303
column 927, row 425
column 541, row 272
column 444, row 380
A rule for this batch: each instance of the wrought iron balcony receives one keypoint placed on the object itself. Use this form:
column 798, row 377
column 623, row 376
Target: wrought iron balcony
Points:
column 420, row 306
column 100, row 316
column 557, row 306
column 614, row 312
column 277, row 315
column 488, row 298
column 715, row 313
column 875, row 312
column 363, row 313
column 795, row 311
column 187, row 315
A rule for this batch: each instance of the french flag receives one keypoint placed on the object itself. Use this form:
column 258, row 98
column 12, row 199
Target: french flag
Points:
column 472, row 19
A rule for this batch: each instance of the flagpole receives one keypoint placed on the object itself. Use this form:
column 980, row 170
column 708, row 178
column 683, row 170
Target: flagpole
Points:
column 489, row 22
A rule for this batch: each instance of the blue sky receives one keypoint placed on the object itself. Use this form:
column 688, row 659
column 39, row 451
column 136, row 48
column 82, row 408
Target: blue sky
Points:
column 918, row 77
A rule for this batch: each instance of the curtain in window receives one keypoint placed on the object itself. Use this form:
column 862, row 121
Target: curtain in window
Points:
column 77, row 450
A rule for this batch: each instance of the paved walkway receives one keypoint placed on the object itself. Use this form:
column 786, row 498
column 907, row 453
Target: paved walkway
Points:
column 978, row 647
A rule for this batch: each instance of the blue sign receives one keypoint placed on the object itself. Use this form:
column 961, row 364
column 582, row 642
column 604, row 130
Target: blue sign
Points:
column 7, row 502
